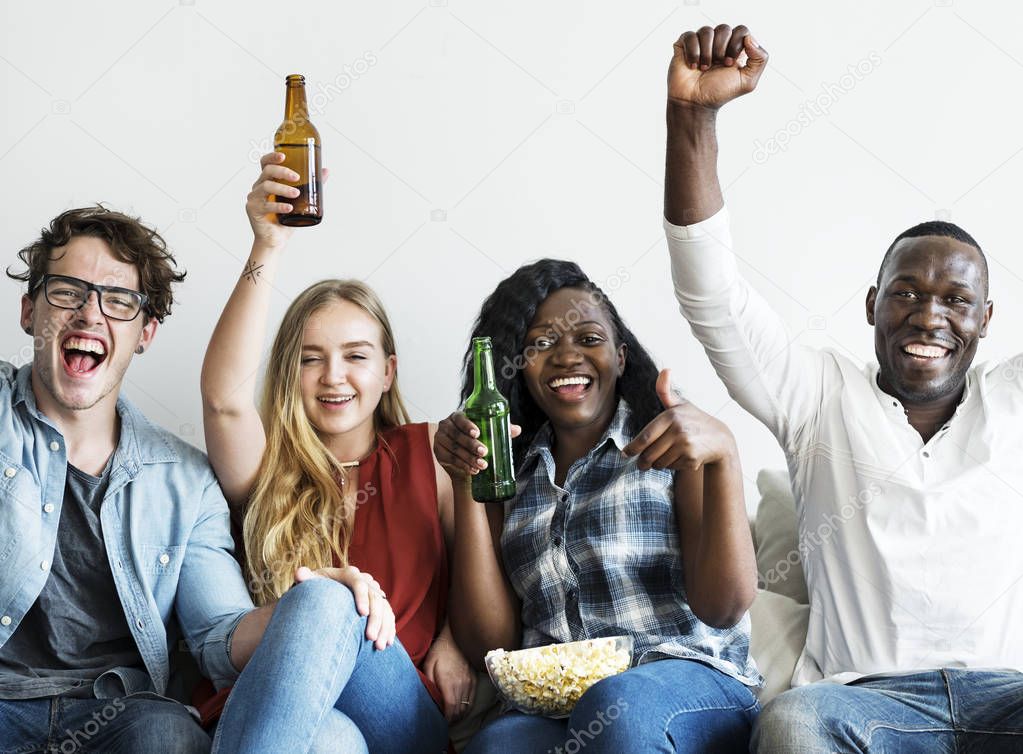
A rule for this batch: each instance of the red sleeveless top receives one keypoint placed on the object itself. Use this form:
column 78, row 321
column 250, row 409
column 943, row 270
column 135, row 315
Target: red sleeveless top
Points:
column 397, row 537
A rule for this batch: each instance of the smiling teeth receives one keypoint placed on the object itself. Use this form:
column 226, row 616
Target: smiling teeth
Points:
column 84, row 344
column 343, row 399
column 562, row 381
column 930, row 352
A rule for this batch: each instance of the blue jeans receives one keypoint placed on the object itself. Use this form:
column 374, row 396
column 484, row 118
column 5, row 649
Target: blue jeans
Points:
column 662, row 706
column 315, row 684
column 949, row 711
column 113, row 726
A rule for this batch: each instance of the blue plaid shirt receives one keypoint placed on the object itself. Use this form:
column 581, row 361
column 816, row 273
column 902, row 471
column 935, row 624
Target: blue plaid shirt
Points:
column 600, row 557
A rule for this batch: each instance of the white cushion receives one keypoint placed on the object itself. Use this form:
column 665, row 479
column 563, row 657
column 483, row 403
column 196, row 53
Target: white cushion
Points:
column 777, row 542
column 777, row 639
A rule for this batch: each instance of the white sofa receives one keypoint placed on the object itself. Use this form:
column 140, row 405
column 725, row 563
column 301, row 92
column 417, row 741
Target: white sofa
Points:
column 780, row 612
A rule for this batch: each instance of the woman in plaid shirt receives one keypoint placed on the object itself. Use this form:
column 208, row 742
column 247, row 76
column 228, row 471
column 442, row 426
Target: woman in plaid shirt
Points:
column 629, row 520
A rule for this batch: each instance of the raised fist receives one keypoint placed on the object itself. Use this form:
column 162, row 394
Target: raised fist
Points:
column 706, row 71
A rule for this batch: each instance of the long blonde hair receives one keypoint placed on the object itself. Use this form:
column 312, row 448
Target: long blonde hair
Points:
column 301, row 508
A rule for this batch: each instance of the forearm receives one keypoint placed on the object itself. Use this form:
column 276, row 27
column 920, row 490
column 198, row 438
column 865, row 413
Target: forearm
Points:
column 484, row 612
column 248, row 634
column 445, row 632
column 723, row 581
column 692, row 191
column 232, row 358
column 445, row 640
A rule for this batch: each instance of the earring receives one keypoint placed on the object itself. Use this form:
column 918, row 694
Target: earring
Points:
column 140, row 350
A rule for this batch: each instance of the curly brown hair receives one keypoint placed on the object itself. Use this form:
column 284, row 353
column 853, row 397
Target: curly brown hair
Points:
column 130, row 240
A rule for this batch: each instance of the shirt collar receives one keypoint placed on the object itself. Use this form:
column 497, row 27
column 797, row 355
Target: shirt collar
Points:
column 887, row 399
column 616, row 432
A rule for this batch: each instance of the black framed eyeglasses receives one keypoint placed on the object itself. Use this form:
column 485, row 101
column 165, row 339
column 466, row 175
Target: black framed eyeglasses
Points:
column 66, row 292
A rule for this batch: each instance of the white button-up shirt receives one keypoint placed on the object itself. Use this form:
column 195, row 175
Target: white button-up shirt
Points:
column 912, row 551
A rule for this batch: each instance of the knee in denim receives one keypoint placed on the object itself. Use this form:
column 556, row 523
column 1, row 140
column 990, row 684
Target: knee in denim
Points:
column 323, row 595
column 606, row 703
column 809, row 715
column 171, row 732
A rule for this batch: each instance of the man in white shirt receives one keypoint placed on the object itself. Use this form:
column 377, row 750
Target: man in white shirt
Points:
column 907, row 474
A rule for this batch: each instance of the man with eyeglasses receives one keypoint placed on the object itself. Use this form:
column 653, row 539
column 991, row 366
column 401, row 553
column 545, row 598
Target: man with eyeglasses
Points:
column 114, row 534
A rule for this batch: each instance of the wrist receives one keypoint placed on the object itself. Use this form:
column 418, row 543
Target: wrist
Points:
column 442, row 641
column 692, row 134
column 694, row 108
column 461, row 481
column 728, row 457
column 263, row 246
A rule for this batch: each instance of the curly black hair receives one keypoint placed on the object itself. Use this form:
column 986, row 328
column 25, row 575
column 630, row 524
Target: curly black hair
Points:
column 505, row 318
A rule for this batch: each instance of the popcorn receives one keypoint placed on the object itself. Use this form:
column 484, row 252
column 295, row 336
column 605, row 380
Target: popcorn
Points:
column 549, row 680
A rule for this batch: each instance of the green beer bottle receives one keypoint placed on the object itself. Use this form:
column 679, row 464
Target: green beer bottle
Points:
column 488, row 410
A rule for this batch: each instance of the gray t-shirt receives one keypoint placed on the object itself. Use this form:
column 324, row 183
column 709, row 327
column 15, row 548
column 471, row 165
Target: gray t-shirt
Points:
column 76, row 630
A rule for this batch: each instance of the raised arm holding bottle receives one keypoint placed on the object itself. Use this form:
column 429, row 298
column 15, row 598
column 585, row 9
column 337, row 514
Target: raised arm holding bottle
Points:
column 329, row 473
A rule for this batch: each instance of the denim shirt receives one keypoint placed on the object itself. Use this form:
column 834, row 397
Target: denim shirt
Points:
column 165, row 527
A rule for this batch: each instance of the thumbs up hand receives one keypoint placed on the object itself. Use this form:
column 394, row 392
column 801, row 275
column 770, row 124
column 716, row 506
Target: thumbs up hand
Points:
column 682, row 437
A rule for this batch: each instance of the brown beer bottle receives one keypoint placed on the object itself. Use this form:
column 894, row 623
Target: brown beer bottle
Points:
column 299, row 140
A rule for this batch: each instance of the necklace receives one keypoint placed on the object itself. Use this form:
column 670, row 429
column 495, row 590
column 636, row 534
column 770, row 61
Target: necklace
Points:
column 357, row 461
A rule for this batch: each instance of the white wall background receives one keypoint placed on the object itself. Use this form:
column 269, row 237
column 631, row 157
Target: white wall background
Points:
column 466, row 138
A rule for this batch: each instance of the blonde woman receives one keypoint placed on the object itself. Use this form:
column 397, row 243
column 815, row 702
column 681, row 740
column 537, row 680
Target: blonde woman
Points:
column 331, row 475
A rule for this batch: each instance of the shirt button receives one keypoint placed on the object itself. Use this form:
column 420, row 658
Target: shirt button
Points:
column 48, row 508
column 564, row 497
column 10, row 471
column 926, row 454
column 164, row 559
column 44, row 565
column 139, row 623
column 5, row 621
column 54, row 446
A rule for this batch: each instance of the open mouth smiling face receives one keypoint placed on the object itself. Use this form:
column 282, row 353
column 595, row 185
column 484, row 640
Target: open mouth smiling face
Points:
column 573, row 362
column 929, row 314
column 344, row 373
column 82, row 354
column 572, row 387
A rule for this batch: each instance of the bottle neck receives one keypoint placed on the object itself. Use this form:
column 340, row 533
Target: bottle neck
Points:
column 295, row 108
column 483, row 370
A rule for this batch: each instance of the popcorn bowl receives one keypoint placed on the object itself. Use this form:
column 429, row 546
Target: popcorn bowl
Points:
column 549, row 680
